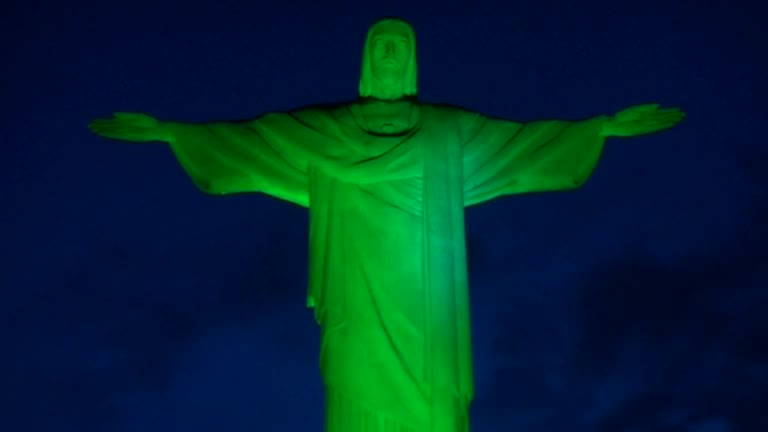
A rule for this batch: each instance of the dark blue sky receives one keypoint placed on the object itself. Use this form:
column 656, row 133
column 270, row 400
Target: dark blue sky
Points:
column 129, row 301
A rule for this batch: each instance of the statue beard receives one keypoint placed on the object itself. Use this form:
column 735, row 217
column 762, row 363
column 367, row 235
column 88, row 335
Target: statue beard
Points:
column 388, row 86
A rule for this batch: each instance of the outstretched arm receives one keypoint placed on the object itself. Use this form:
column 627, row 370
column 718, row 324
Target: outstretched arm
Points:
column 502, row 157
column 267, row 154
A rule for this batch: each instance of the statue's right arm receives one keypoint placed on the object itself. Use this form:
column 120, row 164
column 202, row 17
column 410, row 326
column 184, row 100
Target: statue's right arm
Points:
column 227, row 157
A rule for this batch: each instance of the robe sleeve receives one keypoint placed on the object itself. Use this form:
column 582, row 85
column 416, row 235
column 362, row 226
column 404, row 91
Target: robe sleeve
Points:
column 502, row 157
column 270, row 154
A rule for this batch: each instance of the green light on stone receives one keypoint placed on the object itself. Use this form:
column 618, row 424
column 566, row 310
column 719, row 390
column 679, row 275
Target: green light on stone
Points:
column 386, row 179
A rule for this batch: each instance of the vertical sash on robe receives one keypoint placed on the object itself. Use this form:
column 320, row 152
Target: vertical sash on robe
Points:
column 448, row 339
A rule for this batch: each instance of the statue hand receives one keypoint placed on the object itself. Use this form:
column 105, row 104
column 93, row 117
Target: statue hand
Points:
column 136, row 127
column 640, row 120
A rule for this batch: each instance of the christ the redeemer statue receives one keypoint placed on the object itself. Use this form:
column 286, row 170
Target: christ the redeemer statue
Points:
column 386, row 179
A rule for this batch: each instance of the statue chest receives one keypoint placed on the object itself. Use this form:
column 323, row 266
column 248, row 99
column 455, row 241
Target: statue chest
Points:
column 386, row 118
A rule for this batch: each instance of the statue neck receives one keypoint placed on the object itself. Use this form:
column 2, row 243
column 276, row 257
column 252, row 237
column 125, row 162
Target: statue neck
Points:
column 388, row 90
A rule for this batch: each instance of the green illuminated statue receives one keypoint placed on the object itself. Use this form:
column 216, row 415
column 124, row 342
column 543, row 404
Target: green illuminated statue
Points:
column 386, row 179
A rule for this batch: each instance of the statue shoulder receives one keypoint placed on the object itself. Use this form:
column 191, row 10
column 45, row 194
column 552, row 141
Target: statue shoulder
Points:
column 313, row 115
column 452, row 113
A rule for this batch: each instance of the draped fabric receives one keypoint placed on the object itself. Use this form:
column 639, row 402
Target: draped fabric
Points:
column 388, row 276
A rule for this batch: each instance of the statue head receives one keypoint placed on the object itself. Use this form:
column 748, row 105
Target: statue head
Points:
column 389, row 61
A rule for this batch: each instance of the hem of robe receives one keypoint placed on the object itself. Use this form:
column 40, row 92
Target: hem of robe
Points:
column 344, row 414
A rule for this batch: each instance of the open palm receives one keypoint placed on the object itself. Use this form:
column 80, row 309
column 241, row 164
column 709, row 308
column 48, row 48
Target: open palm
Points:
column 641, row 120
column 135, row 127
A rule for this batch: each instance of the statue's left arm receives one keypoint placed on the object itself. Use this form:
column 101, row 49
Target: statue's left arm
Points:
column 502, row 157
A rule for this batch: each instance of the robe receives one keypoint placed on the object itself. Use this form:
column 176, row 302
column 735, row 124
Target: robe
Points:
column 388, row 275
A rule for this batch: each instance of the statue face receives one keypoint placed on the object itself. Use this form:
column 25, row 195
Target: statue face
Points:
column 390, row 51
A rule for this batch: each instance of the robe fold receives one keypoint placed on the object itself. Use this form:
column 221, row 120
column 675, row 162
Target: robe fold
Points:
column 388, row 276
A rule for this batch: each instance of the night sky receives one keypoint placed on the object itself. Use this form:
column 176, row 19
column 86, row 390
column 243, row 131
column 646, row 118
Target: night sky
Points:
column 130, row 301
